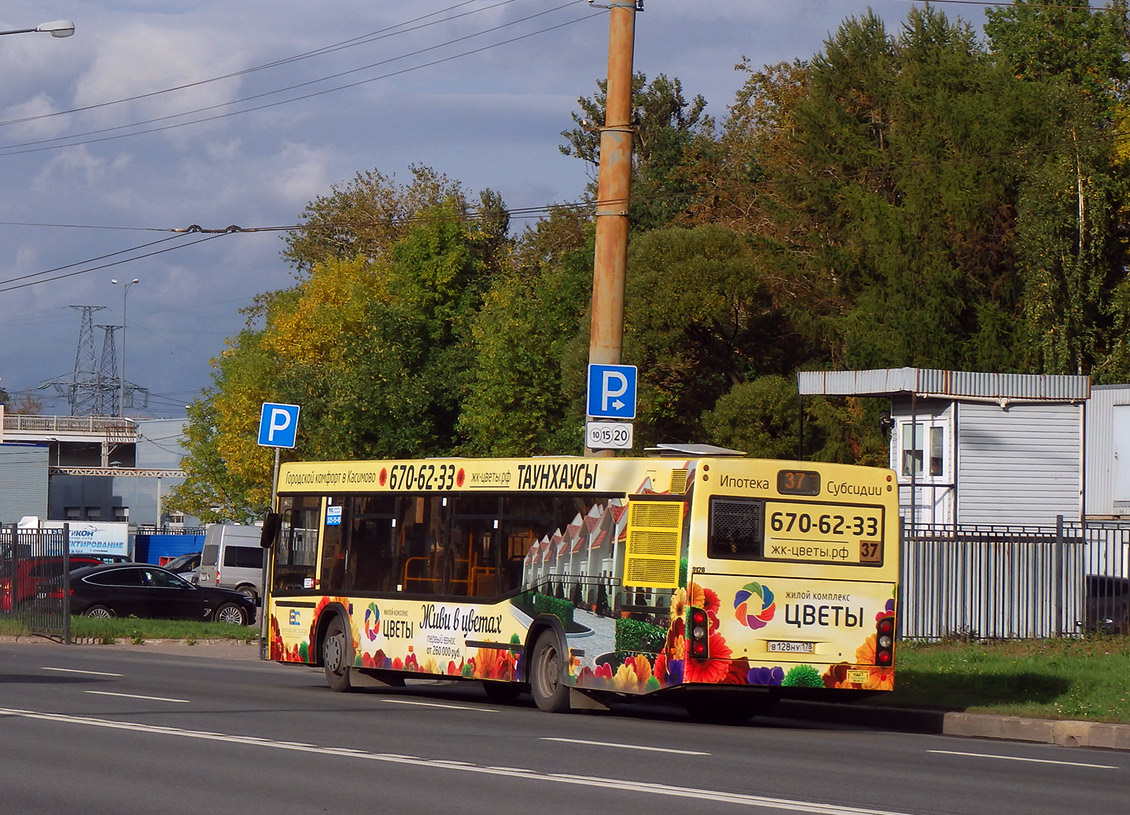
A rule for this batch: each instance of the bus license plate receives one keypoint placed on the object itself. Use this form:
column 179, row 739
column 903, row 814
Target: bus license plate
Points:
column 783, row 647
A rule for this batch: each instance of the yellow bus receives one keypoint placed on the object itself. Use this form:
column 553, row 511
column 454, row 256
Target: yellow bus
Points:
column 724, row 582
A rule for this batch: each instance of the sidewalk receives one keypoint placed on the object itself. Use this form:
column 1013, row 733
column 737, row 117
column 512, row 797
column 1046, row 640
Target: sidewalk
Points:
column 1065, row 733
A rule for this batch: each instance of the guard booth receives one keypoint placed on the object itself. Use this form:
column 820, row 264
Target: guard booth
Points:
column 32, row 560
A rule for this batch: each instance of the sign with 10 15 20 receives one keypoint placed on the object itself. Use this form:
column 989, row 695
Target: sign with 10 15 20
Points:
column 608, row 435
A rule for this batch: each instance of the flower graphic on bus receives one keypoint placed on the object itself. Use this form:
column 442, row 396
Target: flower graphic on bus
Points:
column 372, row 622
column 754, row 606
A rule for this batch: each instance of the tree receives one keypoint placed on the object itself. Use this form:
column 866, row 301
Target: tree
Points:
column 892, row 227
column 523, row 399
column 374, row 345
column 212, row 490
column 1074, row 199
column 700, row 319
column 364, row 216
column 667, row 130
column 758, row 417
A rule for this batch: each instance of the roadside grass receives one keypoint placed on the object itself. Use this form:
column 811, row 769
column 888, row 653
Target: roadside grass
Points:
column 1086, row 678
column 137, row 631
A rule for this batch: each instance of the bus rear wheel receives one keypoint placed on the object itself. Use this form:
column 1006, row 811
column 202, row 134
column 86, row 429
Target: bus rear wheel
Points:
column 336, row 656
column 547, row 674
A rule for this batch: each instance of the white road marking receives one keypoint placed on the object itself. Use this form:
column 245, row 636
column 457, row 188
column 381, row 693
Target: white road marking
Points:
column 438, row 704
column 1021, row 758
column 616, row 784
column 627, row 746
column 77, row 671
column 138, row 696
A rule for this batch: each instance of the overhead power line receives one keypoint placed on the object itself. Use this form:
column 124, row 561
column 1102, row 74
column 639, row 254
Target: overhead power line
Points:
column 79, row 139
column 364, row 39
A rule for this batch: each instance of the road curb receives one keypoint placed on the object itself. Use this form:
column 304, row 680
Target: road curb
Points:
column 1065, row 732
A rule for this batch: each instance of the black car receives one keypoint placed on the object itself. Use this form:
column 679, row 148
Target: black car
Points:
column 185, row 564
column 143, row 590
column 1108, row 604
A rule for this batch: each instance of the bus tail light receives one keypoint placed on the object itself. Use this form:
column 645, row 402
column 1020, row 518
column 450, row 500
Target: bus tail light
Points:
column 698, row 634
column 885, row 641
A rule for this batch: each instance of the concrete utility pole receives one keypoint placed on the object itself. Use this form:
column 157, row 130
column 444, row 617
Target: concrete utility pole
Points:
column 613, row 187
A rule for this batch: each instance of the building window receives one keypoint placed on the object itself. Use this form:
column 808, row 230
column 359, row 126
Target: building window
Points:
column 923, row 450
column 121, row 513
column 94, row 513
column 72, row 513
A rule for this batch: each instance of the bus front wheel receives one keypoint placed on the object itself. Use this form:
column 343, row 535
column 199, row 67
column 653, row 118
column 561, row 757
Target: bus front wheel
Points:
column 335, row 657
column 548, row 670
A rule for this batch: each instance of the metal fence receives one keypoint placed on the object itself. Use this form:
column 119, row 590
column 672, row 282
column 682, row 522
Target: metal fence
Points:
column 998, row 582
column 32, row 563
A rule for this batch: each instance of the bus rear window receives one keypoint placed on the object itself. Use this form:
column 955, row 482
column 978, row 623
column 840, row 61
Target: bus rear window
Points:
column 737, row 528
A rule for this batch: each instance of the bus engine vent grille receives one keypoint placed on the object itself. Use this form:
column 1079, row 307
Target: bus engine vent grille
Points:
column 654, row 543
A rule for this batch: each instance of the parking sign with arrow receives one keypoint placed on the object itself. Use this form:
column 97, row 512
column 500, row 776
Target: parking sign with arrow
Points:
column 612, row 391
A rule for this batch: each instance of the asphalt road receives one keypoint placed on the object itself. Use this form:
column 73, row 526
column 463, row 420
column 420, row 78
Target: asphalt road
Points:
column 93, row 730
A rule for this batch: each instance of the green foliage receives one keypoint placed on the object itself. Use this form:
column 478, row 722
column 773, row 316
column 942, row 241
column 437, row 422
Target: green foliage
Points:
column 639, row 637
column 759, row 417
column 1072, row 203
column 700, row 321
column 665, row 148
column 521, row 400
column 363, row 217
column 547, row 604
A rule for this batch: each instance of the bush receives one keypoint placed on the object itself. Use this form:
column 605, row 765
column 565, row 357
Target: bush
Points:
column 562, row 609
column 636, row 636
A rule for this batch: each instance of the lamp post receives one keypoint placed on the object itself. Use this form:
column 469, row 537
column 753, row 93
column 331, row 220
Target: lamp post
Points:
column 56, row 28
column 122, row 382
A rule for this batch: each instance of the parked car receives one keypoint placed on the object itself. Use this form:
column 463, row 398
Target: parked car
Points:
column 101, row 557
column 185, row 565
column 232, row 559
column 21, row 584
column 1108, row 604
column 144, row 590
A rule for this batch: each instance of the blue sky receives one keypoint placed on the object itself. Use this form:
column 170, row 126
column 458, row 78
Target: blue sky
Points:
column 78, row 181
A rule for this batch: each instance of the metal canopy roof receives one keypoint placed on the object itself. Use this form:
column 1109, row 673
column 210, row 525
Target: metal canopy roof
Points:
column 926, row 382
column 693, row 450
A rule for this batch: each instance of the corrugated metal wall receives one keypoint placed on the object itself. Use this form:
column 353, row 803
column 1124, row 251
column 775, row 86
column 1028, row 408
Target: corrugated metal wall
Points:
column 1108, row 451
column 1019, row 466
column 23, row 481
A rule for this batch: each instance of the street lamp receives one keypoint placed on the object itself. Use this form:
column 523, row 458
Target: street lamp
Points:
column 122, row 383
column 56, row 28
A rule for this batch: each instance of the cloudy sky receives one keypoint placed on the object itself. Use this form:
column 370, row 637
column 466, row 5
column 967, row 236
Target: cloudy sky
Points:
column 157, row 115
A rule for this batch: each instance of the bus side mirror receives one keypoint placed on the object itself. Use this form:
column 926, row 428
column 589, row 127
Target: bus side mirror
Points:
column 271, row 525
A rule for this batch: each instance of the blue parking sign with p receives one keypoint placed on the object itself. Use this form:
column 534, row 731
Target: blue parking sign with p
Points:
column 612, row 391
column 278, row 425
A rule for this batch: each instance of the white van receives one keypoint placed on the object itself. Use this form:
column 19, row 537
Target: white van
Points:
column 232, row 559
